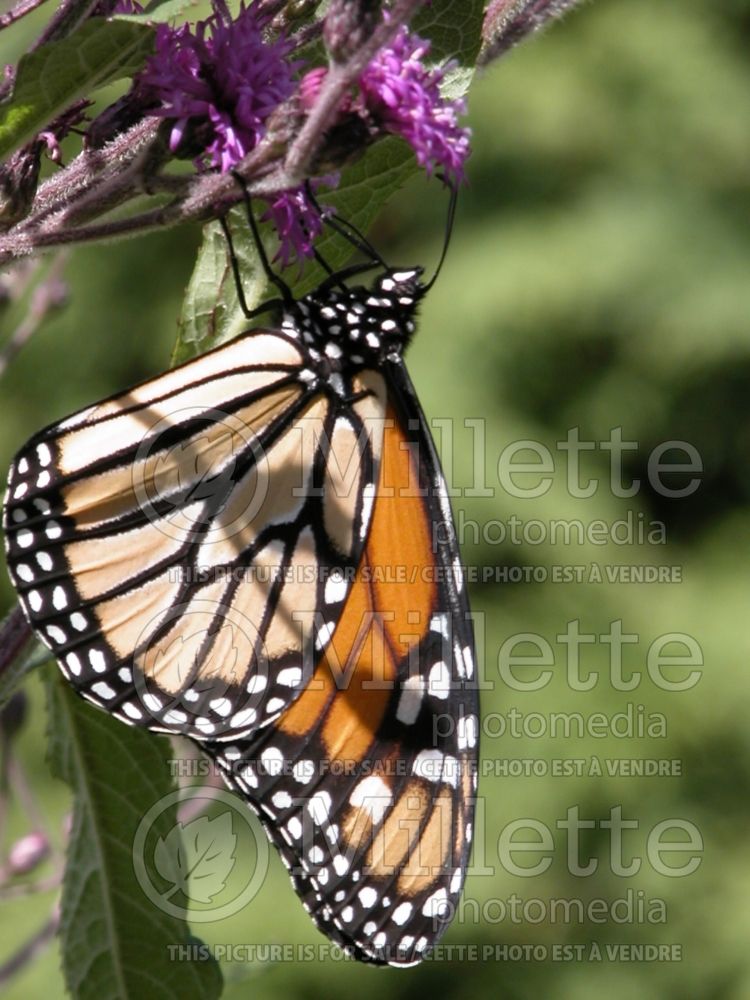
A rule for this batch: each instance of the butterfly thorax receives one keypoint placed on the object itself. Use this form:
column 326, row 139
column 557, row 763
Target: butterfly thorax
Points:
column 345, row 329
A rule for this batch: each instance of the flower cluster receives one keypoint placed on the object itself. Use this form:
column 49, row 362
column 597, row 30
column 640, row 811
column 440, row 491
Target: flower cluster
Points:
column 404, row 96
column 220, row 82
column 297, row 222
column 225, row 75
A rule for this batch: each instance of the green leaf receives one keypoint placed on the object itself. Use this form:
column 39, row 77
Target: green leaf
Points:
column 115, row 943
column 158, row 12
column 455, row 30
column 52, row 78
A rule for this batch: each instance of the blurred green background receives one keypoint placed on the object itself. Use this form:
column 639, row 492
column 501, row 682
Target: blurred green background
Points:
column 598, row 278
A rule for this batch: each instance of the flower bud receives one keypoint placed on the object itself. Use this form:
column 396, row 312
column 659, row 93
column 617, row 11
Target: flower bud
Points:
column 27, row 853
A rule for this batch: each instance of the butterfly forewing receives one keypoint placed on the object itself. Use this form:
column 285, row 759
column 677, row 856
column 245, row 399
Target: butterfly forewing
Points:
column 174, row 545
column 366, row 783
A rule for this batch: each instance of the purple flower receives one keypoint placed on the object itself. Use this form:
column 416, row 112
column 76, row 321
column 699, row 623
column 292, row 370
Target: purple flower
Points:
column 223, row 77
column 297, row 222
column 220, row 82
column 403, row 95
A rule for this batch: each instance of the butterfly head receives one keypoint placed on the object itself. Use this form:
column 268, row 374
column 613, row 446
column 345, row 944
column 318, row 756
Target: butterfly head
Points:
column 361, row 325
column 403, row 285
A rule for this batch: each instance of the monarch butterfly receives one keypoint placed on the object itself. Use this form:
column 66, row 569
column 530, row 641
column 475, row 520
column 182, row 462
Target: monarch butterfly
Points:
column 256, row 550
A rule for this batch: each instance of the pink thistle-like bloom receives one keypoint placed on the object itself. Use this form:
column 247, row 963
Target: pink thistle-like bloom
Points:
column 224, row 75
column 403, row 95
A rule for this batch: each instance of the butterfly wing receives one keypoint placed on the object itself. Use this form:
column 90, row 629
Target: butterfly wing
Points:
column 366, row 783
column 172, row 544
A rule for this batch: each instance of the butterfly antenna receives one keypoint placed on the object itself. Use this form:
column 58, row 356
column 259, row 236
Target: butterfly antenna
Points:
column 347, row 230
column 284, row 289
column 235, row 268
column 446, row 241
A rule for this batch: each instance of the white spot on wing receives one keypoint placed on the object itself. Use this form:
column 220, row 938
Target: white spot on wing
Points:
column 456, row 880
column 458, row 574
column 24, row 538
column 402, row 913
column 340, row 865
column 436, row 905
column 466, row 732
column 411, row 700
column 468, row 661
column 290, row 676
column 372, row 795
column 248, row 775
column 303, row 771
column 319, row 807
column 428, row 764
column 97, row 661
column 367, row 896
column 439, row 684
column 103, row 690
column 243, row 718
column 335, row 589
column 78, row 621
column 273, row 760
column 368, row 499
column 256, row 684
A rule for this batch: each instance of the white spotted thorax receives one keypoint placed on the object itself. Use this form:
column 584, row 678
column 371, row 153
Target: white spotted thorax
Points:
column 356, row 327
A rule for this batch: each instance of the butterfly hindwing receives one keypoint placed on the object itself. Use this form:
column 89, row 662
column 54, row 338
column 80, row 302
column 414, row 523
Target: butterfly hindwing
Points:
column 366, row 783
column 174, row 545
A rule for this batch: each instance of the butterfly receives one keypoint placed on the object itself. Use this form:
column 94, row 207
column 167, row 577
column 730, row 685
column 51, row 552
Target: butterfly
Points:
column 256, row 550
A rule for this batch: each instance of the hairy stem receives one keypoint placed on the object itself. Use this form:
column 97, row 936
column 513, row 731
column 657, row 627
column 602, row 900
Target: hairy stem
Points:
column 19, row 10
column 35, row 945
column 47, row 296
column 507, row 22
column 69, row 14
